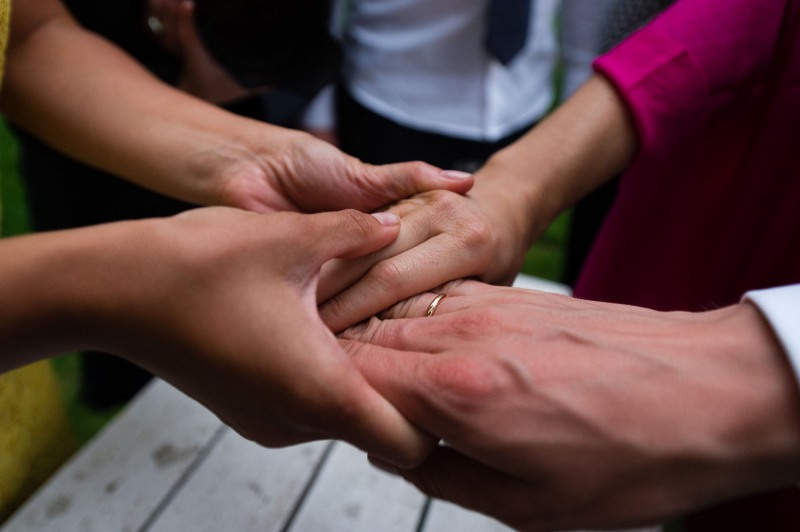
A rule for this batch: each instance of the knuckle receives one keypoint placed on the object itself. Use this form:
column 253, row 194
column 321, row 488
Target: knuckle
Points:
column 466, row 383
column 361, row 224
column 474, row 325
column 364, row 332
column 418, row 167
column 475, row 233
column 446, row 202
column 388, row 275
column 336, row 312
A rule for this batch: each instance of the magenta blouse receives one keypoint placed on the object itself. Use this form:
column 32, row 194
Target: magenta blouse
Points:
column 710, row 208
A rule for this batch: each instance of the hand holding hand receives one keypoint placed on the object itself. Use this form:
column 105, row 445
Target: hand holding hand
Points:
column 221, row 303
column 560, row 413
column 443, row 237
column 238, row 328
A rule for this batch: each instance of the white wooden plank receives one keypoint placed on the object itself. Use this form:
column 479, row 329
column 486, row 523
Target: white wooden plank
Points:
column 117, row 480
column 352, row 496
column 446, row 517
column 537, row 283
column 242, row 487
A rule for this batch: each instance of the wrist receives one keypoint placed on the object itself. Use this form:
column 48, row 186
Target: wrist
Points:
column 584, row 143
column 513, row 193
column 762, row 438
column 60, row 288
column 248, row 171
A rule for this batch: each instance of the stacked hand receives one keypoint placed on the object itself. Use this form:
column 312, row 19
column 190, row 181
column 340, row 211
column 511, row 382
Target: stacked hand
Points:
column 444, row 236
column 221, row 303
column 559, row 413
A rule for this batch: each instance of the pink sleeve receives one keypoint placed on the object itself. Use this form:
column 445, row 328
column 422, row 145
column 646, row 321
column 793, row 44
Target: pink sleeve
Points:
column 689, row 60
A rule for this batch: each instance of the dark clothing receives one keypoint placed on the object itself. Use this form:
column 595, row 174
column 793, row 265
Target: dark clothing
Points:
column 378, row 140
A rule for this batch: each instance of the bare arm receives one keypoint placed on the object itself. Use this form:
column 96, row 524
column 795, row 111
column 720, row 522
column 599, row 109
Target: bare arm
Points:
column 88, row 98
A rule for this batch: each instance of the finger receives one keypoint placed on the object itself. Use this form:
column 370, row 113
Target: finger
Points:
column 347, row 233
column 338, row 275
column 392, row 182
column 374, row 425
column 432, row 263
column 396, row 375
column 423, row 335
column 460, row 294
column 416, row 228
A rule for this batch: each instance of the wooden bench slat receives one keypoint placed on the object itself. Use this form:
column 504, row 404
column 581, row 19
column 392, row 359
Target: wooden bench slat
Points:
column 118, row 479
column 352, row 496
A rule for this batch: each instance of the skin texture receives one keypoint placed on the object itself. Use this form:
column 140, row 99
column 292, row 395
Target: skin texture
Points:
column 221, row 303
column 559, row 413
column 486, row 233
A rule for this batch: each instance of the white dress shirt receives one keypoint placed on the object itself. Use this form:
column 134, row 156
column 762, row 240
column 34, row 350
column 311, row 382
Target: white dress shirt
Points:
column 423, row 64
column 781, row 307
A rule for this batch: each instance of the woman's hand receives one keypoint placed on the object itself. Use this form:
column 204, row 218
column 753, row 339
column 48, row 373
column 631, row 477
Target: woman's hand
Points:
column 519, row 191
column 443, row 237
column 221, row 303
column 111, row 113
column 560, row 413
column 295, row 171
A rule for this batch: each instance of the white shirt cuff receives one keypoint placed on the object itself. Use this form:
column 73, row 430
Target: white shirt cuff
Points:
column 781, row 307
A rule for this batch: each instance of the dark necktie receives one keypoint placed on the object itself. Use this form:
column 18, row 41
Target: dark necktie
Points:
column 507, row 28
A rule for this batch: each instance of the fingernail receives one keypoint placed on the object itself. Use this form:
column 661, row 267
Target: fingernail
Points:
column 458, row 175
column 386, row 218
column 386, row 467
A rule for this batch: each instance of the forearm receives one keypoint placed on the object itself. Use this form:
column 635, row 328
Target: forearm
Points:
column 89, row 99
column 58, row 287
column 581, row 145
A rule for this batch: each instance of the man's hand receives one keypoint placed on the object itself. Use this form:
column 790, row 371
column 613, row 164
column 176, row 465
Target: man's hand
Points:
column 559, row 413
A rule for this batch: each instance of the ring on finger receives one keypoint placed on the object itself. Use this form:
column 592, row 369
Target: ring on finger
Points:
column 434, row 304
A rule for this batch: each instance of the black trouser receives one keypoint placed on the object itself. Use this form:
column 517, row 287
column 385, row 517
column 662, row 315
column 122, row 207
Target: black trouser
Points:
column 378, row 140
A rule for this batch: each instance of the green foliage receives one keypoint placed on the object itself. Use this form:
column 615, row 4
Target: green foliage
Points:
column 545, row 258
column 85, row 421
column 14, row 214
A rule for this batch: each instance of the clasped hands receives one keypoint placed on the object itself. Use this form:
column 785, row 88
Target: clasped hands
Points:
column 556, row 412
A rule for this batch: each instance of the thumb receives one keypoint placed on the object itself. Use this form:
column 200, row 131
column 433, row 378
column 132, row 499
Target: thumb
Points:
column 348, row 234
column 393, row 182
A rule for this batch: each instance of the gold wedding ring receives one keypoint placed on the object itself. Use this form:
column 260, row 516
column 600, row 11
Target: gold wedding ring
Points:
column 434, row 304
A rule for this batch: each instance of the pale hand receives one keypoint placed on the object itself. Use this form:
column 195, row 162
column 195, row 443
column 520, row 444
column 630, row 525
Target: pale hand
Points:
column 444, row 236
